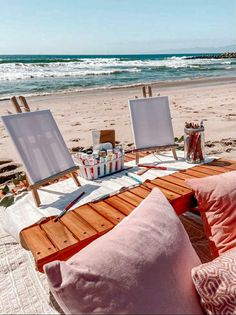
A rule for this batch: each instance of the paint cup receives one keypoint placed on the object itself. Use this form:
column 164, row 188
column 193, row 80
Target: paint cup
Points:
column 194, row 143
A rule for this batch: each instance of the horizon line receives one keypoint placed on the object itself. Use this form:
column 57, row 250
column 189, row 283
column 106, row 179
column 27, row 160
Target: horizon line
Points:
column 114, row 54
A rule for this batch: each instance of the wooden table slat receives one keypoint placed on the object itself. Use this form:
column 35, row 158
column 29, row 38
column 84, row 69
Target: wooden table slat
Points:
column 81, row 229
column 106, row 210
column 207, row 171
column 59, row 234
column 131, row 198
column 194, row 173
column 140, row 191
column 120, row 205
column 182, row 175
column 98, row 222
column 225, row 161
column 169, row 194
column 38, row 243
column 231, row 167
column 225, row 164
column 172, row 187
column 177, row 181
column 220, row 169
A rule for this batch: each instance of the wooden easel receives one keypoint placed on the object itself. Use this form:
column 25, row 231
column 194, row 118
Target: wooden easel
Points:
column 18, row 107
column 33, row 187
column 157, row 149
column 147, row 92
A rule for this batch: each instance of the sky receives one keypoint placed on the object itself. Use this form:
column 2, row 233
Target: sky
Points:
column 115, row 26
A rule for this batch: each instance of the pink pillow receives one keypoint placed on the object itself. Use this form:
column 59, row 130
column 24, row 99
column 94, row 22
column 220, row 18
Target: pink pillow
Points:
column 216, row 196
column 216, row 284
column 142, row 266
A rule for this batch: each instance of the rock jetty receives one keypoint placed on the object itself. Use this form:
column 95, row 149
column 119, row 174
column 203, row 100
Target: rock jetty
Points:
column 227, row 55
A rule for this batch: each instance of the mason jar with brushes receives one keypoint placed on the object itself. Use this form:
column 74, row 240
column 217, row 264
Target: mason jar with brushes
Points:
column 194, row 142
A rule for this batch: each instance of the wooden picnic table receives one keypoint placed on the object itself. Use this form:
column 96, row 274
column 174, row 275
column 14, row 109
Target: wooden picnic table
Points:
column 60, row 240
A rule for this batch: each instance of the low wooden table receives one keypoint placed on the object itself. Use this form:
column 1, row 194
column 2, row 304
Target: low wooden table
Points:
column 60, row 240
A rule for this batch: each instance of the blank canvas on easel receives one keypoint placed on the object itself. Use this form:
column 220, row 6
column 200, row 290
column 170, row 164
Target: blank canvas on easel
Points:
column 151, row 122
column 39, row 144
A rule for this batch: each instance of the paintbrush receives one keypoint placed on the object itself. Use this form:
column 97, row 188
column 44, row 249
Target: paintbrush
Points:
column 162, row 168
column 68, row 207
column 134, row 178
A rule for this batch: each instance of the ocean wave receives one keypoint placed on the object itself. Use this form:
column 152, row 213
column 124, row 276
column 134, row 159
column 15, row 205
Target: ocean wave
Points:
column 26, row 76
column 104, row 63
column 40, row 60
column 179, row 58
column 226, row 62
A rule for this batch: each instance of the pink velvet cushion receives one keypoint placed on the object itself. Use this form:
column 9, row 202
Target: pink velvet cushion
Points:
column 216, row 284
column 142, row 266
column 216, row 196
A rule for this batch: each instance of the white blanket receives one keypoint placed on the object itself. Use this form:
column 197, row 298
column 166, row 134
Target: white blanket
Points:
column 56, row 197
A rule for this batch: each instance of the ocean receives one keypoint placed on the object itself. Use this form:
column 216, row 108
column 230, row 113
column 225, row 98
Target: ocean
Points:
column 45, row 74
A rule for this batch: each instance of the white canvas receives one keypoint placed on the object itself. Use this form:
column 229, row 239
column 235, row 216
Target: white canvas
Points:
column 39, row 144
column 151, row 122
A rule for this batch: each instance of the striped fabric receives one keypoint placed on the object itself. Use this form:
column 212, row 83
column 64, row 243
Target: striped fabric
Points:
column 216, row 284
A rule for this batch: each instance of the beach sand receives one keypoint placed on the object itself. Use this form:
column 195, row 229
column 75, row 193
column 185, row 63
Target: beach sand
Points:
column 77, row 114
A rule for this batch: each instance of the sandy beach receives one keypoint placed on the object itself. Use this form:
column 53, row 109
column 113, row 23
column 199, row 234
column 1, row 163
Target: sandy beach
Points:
column 77, row 114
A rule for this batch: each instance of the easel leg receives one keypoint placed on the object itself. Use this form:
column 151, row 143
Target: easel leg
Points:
column 144, row 91
column 174, row 154
column 75, row 179
column 24, row 103
column 16, row 104
column 149, row 91
column 36, row 197
column 137, row 158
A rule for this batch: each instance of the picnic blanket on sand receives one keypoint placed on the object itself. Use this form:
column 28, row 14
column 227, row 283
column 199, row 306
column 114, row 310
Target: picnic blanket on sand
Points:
column 22, row 289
